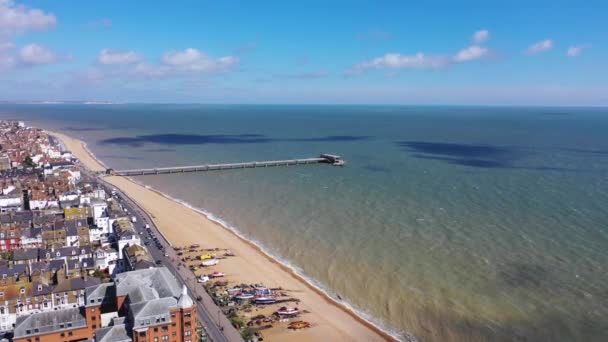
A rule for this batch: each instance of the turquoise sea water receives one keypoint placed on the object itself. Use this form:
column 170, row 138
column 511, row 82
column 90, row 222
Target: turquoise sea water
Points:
column 450, row 223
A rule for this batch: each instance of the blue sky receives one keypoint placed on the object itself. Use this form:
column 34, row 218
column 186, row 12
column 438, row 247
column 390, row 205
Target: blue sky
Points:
column 433, row 52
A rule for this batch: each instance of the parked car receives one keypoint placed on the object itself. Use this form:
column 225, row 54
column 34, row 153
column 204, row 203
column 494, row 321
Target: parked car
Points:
column 158, row 262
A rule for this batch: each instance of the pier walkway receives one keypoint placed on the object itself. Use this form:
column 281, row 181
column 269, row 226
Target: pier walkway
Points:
column 323, row 158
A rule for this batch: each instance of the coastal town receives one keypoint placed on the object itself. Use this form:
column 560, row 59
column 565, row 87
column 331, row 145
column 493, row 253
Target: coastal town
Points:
column 82, row 261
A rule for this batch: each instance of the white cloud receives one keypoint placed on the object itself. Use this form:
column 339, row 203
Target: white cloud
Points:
column 399, row 61
column 109, row 56
column 470, row 53
column 34, row 54
column 577, row 50
column 16, row 19
column 194, row 60
column 173, row 64
column 481, row 36
column 539, row 47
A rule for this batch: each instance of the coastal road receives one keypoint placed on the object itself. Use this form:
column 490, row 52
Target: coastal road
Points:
column 217, row 325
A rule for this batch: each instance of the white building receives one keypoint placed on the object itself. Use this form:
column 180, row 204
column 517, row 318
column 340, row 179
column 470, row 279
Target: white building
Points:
column 106, row 258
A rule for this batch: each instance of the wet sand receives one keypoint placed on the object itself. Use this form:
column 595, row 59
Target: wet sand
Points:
column 184, row 226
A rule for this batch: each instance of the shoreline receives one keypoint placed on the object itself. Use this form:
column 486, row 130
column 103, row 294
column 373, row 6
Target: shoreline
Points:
column 90, row 161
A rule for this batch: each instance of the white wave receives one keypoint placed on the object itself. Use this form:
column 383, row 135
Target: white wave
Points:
column 366, row 316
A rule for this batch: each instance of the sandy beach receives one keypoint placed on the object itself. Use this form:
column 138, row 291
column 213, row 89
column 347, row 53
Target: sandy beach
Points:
column 183, row 226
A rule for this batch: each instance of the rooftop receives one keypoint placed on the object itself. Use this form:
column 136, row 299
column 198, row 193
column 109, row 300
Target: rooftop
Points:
column 50, row 321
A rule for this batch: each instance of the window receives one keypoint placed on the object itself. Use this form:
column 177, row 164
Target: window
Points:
column 166, row 338
column 94, row 327
column 188, row 333
column 93, row 318
column 155, row 329
column 156, row 339
column 70, row 333
column 73, row 252
column 174, row 333
column 187, row 314
column 62, row 334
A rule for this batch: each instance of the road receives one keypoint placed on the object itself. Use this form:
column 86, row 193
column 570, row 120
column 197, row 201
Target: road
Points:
column 217, row 325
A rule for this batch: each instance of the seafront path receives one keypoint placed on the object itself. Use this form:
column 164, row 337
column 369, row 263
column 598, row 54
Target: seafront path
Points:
column 217, row 325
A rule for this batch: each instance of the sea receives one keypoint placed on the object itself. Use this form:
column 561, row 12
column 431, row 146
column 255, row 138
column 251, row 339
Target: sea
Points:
column 446, row 224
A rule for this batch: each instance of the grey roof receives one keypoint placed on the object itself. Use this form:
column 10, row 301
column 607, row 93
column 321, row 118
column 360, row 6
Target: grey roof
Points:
column 59, row 224
column 21, row 216
column 152, row 293
column 25, row 254
column 65, row 252
column 52, row 265
column 76, row 284
column 95, row 295
column 50, row 321
column 11, row 270
column 41, row 289
column 160, row 279
column 184, row 300
column 152, row 312
column 113, row 333
column 73, row 225
column 78, row 264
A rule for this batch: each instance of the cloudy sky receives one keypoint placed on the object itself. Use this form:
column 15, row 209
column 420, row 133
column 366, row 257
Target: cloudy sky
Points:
column 314, row 51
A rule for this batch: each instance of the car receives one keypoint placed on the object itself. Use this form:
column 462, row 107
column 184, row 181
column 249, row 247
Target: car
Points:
column 158, row 262
column 166, row 254
column 199, row 298
column 146, row 243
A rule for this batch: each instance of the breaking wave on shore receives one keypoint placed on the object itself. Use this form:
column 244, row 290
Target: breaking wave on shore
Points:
column 316, row 285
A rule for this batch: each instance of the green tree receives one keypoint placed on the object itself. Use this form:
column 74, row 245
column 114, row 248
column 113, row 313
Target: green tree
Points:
column 28, row 162
column 5, row 255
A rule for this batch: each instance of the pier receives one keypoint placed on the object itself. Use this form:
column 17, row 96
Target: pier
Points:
column 323, row 158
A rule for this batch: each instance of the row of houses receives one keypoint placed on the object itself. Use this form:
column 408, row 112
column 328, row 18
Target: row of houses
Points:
column 59, row 236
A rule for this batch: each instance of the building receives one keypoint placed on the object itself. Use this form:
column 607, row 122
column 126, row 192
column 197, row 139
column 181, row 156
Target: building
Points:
column 155, row 307
column 125, row 234
column 144, row 305
column 136, row 258
column 63, row 325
